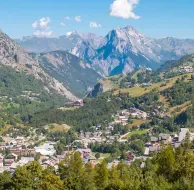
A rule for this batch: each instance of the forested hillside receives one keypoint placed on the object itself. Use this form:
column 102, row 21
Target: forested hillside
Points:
column 149, row 91
column 22, row 95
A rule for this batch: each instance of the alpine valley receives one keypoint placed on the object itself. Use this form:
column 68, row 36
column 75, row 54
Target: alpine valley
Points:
column 82, row 112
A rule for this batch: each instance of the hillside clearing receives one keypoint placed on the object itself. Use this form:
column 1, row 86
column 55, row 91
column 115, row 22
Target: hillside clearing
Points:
column 139, row 91
column 56, row 127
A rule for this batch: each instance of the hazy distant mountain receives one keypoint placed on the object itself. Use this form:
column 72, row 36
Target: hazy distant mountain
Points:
column 66, row 42
column 121, row 51
column 173, row 48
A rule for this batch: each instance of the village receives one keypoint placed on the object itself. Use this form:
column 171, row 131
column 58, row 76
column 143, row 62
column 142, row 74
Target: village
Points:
column 22, row 150
column 186, row 69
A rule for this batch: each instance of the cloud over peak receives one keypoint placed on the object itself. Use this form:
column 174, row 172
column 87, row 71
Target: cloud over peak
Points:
column 124, row 9
column 42, row 28
column 95, row 25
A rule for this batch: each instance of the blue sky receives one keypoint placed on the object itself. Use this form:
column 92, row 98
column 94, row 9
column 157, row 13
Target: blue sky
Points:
column 154, row 18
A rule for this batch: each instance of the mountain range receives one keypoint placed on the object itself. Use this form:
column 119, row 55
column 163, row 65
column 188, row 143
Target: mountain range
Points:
column 122, row 50
column 72, row 64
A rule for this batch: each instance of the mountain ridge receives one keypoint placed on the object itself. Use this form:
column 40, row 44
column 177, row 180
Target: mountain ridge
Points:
column 122, row 50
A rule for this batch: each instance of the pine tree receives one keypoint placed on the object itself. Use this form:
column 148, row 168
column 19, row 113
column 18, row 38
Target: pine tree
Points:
column 101, row 178
column 75, row 171
column 166, row 162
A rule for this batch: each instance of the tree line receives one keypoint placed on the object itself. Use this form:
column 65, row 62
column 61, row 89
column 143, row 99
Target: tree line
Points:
column 168, row 170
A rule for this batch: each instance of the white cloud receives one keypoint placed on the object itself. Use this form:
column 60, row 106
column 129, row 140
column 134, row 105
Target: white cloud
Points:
column 42, row 23
column 62, row 24
column 78, row 19
column 42, row 28
column 67, row 18
column 35, row 24
column 95, row 25
column 124, row 9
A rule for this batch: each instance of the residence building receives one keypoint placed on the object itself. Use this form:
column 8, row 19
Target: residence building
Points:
column 136, row 113
column 78, row 103
column 22, row 152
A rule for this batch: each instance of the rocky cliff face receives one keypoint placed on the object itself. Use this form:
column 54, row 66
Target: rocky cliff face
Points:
column 126, row 49
column 75, row 74
column 13, row 55
column 98, row 89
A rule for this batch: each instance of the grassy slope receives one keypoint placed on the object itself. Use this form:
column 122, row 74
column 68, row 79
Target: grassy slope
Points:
column 139, row 91
column 137, row 122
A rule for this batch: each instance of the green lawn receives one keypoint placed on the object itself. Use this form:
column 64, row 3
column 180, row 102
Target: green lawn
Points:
column 137, row 132
column 137, row 122
column 56, row 127
column 102, row 156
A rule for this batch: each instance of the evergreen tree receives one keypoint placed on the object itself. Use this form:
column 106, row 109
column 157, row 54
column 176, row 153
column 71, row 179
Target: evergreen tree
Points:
column 101, row 177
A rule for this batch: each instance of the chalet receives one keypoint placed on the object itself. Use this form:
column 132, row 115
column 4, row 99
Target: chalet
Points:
column 165, row 138
column 136, row 113
column 154, row 149
column 70, row 148
column 78, row 103
column 8, row 162
column 154, row 140
column 22, row 152
column 20, row 140
column 91, row 159
column 47, row 149
column 123, row 120
column 84, row 152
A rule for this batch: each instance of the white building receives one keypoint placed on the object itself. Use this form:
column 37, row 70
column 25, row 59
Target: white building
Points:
column 46, row 149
